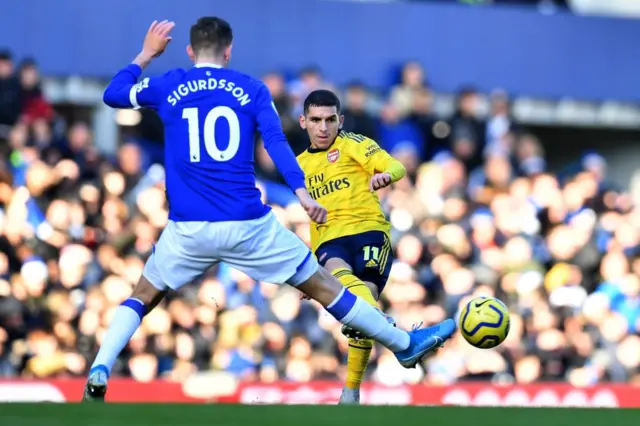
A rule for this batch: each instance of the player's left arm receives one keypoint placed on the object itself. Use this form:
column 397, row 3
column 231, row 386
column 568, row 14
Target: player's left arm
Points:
column 384, row 169
column 278, row 148
column 124, row 91
column 275, row 141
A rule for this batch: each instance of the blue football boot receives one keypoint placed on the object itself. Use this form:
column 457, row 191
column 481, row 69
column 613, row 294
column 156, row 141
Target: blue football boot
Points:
column 425, row 340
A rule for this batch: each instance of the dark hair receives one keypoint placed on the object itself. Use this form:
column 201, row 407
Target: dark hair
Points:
column 321, row 98
column 212, row 33
column 357, row 84
column 310, row 70
column 5, row 55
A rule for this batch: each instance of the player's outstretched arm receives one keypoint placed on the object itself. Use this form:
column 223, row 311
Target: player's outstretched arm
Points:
column 275, row 142
column 278, row 148
column 123, row 90
column 316, row 212
column 384, row 169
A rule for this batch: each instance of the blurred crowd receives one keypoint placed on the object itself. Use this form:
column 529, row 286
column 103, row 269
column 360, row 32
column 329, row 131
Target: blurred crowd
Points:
column 479, row 214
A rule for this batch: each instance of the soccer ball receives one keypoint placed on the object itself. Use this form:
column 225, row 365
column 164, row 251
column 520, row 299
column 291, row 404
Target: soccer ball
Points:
column 484, row 322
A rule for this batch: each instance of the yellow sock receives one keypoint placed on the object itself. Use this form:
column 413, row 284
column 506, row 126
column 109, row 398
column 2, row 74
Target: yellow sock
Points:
column 359, row 350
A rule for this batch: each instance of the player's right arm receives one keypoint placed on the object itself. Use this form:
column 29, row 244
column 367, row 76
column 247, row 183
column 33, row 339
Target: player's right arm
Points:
column 124, row 91
column 276, row 144
column 384, row 169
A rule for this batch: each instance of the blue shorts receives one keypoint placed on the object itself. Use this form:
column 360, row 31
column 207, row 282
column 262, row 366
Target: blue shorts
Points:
column 369, row 254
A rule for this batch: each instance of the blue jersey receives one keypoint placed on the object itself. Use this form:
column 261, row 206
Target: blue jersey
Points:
column 210, row 116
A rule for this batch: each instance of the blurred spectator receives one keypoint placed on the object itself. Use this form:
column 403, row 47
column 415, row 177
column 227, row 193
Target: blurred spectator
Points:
column 423, row 117
column 529, row 156
column 412, row 81
column 33, row 104
column 357, row 118
column 467, row 138
column 500, row 125
column 401, row 137
column 310, row 79
column 478, row 215
column 10, row 107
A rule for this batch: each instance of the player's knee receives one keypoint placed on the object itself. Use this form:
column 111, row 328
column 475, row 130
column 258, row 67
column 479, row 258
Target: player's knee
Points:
column 334, row 263
column 307, row 268
column 147, row 292
column 322, row 287
column 151, row 275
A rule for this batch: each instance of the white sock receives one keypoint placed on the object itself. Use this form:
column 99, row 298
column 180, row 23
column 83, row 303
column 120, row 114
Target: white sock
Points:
column 126, row 321
column 356, row 313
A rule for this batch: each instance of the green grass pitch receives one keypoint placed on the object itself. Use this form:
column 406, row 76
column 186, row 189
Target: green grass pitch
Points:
column 43, row 414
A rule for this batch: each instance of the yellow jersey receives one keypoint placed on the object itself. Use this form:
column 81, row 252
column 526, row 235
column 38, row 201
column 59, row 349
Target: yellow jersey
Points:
column 339, row 178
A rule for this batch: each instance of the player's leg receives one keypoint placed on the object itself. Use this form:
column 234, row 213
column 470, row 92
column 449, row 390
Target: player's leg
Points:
column 360, row 347
column 409, row 347
column 370, row 265
column 266, row 251
column 170, row 266
column 353, row 311
column 125, row 322
column 369, row 254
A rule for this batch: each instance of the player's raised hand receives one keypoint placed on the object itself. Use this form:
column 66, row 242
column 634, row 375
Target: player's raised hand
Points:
column 316, row 212
column 379, row 181
column 157, row 38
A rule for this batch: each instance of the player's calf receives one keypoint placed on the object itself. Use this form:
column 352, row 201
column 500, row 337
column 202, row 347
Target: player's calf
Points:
column 409, row 347
column 126, row 321
column 352, row 333
column 366, row 290
column 360, row 346
column 353, row 311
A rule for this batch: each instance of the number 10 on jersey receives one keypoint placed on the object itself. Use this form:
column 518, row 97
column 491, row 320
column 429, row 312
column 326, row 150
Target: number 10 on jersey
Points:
column 208, row 133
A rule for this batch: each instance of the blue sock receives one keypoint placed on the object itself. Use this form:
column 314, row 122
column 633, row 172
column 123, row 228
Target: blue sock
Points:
column 342, row 304
column 356, row 313
column 125, row 322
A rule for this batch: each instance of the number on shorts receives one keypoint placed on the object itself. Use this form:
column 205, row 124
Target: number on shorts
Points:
column 371, row 253
column 209, row 131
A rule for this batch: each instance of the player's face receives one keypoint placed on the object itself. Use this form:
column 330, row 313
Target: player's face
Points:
column 322, row 123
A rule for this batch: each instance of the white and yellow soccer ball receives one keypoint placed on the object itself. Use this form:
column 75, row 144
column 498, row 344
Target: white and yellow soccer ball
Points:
column 484, row 322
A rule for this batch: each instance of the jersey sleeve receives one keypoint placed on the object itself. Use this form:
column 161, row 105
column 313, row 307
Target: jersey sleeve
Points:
column 374, row 159
column 275, row 142
column 124, row 90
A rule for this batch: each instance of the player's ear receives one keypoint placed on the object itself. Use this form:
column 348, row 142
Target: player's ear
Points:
column 340, row 122
column 227, row 53
column 191, row 53
column 302, row 121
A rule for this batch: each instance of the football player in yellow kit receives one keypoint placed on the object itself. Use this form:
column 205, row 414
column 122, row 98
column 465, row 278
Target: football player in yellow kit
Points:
column 343, row 170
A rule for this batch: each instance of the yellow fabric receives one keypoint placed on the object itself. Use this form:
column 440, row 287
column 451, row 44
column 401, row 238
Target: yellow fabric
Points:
column 359, row 350
column 339, row 177
column 357, row 360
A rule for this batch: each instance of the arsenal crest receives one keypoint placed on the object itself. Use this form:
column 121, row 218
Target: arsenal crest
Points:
column 333, row 155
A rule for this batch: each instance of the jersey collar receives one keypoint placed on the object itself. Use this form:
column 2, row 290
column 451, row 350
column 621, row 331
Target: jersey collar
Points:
column 312, row 150
column 207, row 65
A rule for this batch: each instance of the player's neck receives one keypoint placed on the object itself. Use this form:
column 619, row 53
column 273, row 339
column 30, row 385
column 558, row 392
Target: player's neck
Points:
column 209, row 62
